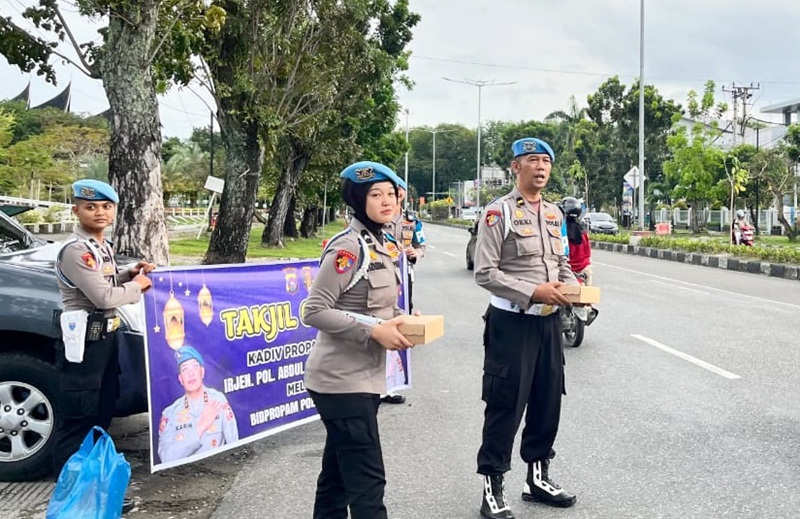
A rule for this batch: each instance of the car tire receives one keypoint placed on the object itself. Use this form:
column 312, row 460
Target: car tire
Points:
column 27, row 380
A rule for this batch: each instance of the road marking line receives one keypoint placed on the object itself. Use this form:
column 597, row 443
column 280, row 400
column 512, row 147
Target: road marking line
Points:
column 685, row 356
column 449, row 254
column 746, row 296
column 672, row 285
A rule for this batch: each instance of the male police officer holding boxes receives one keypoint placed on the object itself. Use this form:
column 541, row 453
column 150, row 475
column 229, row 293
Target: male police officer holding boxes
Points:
column 91, row 289
column 520, row 260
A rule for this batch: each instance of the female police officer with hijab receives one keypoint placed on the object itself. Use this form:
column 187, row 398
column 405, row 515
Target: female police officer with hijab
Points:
column 353, row 304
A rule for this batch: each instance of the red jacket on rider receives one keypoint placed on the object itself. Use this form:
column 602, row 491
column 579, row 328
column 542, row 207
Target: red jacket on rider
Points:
column 580, row 255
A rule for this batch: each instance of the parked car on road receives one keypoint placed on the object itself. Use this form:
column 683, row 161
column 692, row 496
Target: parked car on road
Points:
column 30, row 304
column 469, row 213
column 601, row 223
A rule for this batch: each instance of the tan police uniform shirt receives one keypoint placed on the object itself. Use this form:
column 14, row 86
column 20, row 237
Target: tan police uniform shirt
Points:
column 344, row 359
column 519, row 249
column 402, row 230
column 98, row 284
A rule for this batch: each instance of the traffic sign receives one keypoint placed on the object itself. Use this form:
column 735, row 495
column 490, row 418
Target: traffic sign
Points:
column 632, row 177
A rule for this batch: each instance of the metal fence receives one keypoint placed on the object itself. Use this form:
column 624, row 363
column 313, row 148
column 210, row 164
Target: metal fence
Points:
column 720, row 219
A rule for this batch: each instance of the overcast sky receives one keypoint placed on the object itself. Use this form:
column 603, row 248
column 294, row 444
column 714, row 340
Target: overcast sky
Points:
column 551, row 49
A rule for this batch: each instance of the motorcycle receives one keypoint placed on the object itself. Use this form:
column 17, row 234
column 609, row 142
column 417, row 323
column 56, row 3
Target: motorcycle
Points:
column 575, row 319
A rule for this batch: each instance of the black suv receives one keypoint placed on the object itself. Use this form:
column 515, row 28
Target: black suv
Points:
column 29, row 306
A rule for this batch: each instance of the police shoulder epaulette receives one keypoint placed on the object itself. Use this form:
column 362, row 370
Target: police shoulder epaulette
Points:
column 98, row 257
column 330, row 242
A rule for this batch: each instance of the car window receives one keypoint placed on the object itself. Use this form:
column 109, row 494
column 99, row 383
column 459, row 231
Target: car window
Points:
column 601, row 217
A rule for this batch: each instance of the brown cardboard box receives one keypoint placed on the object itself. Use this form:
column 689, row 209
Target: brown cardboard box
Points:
column 581, row 294
column 422, row 329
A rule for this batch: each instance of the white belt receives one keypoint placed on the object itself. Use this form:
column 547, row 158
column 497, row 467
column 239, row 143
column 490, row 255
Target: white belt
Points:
column 535, row 309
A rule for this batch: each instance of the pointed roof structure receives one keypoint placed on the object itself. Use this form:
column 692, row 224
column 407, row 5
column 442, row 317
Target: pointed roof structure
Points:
column 60, row 101
column 25, row 96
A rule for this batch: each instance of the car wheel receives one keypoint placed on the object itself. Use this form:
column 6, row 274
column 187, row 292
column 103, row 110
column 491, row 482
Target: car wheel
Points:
column 28, row 387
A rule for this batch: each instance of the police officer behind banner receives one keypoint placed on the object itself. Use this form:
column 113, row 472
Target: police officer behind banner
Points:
column 198, row 421
column 520, row 260
column 353, row 304
column 406, row 232
column 91, row 289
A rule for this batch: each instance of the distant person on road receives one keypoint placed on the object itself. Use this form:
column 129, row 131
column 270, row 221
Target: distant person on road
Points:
column 520, row 259
column 739, row 225
column 353, row 304
column 198, row 421
column 405, row 233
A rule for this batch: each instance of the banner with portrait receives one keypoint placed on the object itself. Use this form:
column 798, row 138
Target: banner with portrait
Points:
column 226, row 351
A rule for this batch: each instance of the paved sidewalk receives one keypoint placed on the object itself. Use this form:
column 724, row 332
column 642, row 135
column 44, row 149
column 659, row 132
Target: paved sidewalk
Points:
column 722, row 261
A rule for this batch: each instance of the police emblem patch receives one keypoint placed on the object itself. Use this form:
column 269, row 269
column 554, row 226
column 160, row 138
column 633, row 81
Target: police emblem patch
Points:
column 344, row 261
column 529, row 146
column 365, row 173
column 492, row 217
column 89, row 261
column 290, row 274
column 87, row 192
column 392, row 248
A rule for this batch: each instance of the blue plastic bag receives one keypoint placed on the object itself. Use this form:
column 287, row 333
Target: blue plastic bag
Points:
column 92, row 483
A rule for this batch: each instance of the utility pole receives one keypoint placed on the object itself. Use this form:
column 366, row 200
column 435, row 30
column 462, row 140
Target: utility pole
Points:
column 743, row 93
column 480, row 83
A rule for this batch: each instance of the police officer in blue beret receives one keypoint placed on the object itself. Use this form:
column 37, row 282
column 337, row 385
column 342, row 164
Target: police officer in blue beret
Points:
column 353, row 304
column 520, row 260
column 198, row 421
column 92, row 288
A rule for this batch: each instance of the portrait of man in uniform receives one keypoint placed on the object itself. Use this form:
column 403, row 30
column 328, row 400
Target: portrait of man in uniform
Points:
column 198, row 421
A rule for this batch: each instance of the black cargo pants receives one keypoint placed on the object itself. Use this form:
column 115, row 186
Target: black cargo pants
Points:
column 523, row 367
column 352, row 463
column 87, row 393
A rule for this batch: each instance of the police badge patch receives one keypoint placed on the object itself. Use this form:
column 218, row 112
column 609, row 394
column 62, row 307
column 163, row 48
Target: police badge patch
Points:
column 492, row 217
column 344, row 261
column 365, row 173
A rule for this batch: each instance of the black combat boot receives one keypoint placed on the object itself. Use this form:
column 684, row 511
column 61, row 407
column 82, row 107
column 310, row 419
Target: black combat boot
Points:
column 494, row 504
column 539, row 487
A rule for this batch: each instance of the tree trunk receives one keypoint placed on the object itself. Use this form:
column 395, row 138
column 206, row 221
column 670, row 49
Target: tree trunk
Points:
column 272, row 236
column 791, row 232
column 245, row 158
column 134, row 164
column 308, row 227
column 290, row 225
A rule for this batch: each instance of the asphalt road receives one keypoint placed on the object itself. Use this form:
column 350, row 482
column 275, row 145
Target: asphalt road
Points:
column 682, row 403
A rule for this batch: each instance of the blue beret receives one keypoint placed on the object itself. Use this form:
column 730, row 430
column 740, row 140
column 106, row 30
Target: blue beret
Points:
column 367, row 172
column 531, row 145
column 185, row 353
column 90, row 189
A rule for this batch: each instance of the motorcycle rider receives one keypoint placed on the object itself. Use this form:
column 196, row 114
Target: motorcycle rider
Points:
column 580, row 251
column 739, row 227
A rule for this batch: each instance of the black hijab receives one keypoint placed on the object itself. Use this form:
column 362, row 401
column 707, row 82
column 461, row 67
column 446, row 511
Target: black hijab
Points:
column 355, row 195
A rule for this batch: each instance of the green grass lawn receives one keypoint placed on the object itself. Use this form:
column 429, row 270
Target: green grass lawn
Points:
column 188, row 249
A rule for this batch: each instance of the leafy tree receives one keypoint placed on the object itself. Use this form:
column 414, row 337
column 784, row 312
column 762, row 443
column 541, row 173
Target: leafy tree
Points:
column 146, row 44
column 697, row 163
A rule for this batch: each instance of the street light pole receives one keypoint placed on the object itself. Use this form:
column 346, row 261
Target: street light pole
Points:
column 480, row 83
column 433, row 159
column 641, row 115
column 405, row 200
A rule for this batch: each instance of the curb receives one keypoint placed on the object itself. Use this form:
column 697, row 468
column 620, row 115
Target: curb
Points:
column 725, row 262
